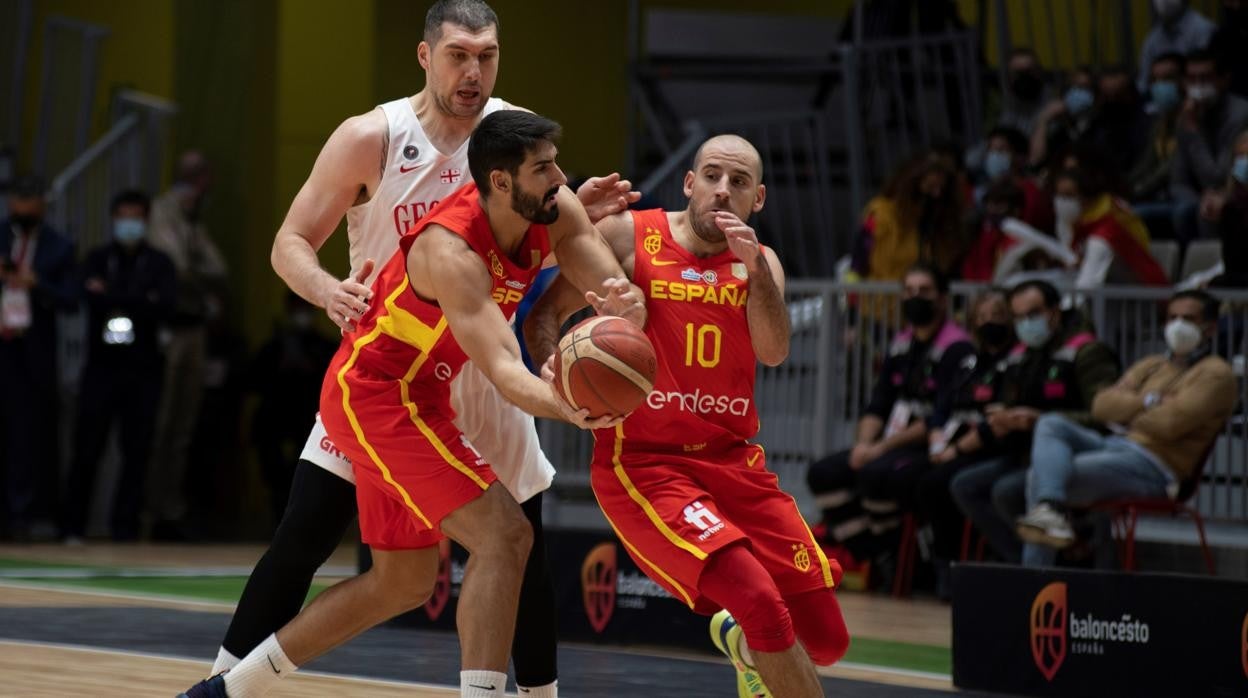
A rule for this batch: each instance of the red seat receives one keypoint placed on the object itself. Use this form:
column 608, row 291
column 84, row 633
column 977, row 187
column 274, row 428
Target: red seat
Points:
column 1125, row 513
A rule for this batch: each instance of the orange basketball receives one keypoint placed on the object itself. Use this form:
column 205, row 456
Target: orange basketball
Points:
column 606, row 365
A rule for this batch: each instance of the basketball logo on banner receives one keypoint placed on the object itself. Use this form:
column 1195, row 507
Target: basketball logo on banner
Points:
column 1048, row 629
column 598, row 585
column 442, row 585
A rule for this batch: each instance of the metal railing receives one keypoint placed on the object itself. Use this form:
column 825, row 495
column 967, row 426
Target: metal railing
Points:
column 809, row 405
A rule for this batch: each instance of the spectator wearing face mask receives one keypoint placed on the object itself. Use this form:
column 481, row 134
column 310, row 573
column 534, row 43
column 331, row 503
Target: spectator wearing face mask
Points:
column 36, row 281
column 130, row 292
column 953, row 427
column 1058, row 366
column 1208, row 124
column 1006, row 161
column 1228, row 209
column 1026, row 91
column 1066, row 120
column 864, row 491
column 287, row 373
column 1119, row 127
column 1149, row 180
column 1170, row 406
column 917, row 218
column 1177, row 29
column 1230, row 44
column 1109, row 239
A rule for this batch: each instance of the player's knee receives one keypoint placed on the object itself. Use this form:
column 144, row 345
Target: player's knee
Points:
column 826, row 649
column 402, row 584
column 512, row 542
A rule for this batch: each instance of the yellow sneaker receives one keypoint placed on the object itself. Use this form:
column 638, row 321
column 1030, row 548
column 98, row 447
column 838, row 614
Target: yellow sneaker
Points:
column 726, row 634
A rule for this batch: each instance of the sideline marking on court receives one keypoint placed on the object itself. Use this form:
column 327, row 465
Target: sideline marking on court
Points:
column 390, row 683
column 646, row 652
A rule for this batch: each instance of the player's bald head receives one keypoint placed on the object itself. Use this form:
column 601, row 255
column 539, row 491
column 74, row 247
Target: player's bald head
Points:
column 733, row 147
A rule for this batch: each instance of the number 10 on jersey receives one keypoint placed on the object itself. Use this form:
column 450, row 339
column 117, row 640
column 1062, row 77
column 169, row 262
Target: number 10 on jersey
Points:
column 702, row 344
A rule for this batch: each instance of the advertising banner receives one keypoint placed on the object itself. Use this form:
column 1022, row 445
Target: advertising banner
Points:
column 1092, row 633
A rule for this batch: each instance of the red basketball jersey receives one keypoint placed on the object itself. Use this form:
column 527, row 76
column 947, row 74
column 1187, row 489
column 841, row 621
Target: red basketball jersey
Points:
column 404, row 337
column 704, row 390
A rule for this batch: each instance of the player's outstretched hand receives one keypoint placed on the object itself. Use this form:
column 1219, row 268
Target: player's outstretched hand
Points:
column 606, row 196
column 741, row 239
column 349, row 301
column 622, row 300
column 580, row 417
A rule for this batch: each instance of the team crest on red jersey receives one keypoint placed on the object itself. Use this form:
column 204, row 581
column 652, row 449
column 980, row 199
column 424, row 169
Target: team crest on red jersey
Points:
column 496, row 265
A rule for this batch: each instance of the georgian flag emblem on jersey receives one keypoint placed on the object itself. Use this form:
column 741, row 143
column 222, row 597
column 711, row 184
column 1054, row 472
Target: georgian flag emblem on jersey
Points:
column 450, row 175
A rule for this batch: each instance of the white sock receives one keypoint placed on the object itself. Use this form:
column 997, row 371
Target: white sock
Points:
column 744, row 650
column 259, row 671
column 550, row 690
column 225, row 662
column 481, row 684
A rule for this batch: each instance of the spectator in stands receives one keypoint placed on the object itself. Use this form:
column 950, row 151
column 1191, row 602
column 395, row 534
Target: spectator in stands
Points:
column 1058, row 367
column 1004, row 199
column 129, row 287
column 1006, row 161
column 862, row 491
column 1172, row 407
column 1149, row 180
column 1119, row 126
column 1110, row 240
column 1210, row 120
column 917, row 218
column 178, row 230
column 1178, row 29
column 953, row 427
column 1027, row 91
column 1230, row 43
column 1228, row 209
column 287, row 374
column 1065, row 121
column 36, row 281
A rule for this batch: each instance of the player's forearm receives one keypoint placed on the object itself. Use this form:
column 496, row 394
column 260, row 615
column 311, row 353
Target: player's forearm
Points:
column 524, row 390
column 767, row 316
column 294, row 259
column 541, row 332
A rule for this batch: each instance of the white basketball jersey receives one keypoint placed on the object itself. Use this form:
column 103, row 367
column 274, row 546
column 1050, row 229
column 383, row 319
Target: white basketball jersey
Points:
column 416, row 178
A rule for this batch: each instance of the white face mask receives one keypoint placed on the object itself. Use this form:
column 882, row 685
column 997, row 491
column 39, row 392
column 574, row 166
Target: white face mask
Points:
column 1067, row 208
column 1182, row 336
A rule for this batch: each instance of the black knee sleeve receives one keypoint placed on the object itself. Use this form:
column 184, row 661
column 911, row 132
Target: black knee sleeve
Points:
column 320, row 508
column 533, row 649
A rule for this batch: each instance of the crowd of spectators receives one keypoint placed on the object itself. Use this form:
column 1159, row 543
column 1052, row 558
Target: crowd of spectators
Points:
column 1082, row 171
column 150, row 296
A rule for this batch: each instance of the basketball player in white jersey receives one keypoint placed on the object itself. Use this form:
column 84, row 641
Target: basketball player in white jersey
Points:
column 384, row 170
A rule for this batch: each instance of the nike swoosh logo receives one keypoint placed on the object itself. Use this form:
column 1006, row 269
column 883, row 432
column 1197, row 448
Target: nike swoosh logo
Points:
column 655, row 261
column 749, row 460
column 405, row 170
column 483, row 688
column 275, row 669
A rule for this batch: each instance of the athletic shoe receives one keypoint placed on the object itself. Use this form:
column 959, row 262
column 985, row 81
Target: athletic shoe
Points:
column 1046, row 526
column 208, row 688
column 726, row 635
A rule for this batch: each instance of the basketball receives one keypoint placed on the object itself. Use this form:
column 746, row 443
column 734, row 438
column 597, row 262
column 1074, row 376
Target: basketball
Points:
column 606, row 365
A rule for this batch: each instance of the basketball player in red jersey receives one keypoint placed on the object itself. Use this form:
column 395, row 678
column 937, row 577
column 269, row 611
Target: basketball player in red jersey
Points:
column 382, row 170
column 688, row 495
column 442, row 300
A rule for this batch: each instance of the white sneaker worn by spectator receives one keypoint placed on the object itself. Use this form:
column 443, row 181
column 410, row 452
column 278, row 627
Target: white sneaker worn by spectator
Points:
column 1046, row 525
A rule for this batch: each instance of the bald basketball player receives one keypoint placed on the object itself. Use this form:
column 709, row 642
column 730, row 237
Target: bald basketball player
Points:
column 384, row 170
column 685, row 490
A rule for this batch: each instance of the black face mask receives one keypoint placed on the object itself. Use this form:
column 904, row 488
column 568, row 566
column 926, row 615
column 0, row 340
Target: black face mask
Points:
column 1027, row 86
column 993, row 334
column 27, row 223
column 918, row 311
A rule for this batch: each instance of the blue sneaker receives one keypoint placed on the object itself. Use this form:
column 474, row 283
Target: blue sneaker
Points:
column 208, row 688
column 726, row 635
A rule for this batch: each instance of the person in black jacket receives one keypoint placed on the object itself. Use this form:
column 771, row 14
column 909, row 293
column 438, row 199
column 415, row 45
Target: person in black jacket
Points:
column 36, row 282
column 129, row 288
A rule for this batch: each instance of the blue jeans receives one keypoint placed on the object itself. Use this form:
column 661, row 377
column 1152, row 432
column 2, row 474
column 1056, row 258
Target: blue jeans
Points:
column 990, row 494
column 1073, row 466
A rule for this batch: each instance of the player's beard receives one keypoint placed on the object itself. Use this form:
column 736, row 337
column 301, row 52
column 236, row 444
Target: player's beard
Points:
column 702, row 221
column 532, row 208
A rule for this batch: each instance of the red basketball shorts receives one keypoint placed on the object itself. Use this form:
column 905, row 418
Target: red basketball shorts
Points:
column 673, row 511
column 412, row 466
